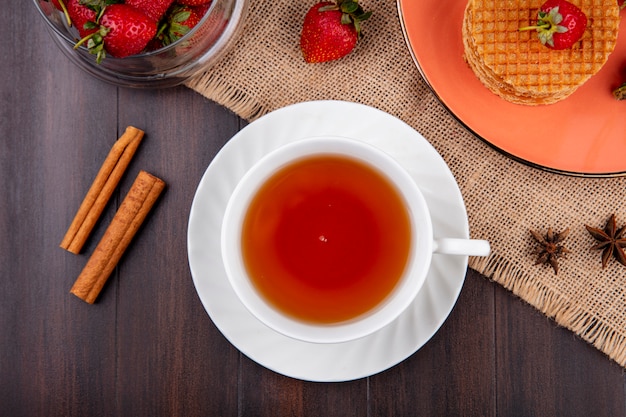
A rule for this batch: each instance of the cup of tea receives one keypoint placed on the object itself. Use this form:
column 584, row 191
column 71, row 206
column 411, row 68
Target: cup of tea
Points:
column 329, row 239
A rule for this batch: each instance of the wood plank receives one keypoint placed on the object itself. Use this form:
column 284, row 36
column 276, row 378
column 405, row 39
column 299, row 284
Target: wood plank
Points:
column 147, row 347
column 545, row 370
column 265, row 393
column 170, row 356
column 57, row 354
column 453, row 374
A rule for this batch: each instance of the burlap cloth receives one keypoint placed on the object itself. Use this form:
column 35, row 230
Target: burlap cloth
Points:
column 505, row 199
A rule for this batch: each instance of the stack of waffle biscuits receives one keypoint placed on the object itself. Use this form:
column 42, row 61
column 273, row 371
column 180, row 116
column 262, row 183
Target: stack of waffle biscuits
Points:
column 516, row 66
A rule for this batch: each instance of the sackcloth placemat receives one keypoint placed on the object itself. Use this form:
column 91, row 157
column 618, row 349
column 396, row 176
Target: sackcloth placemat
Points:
column 264, row 71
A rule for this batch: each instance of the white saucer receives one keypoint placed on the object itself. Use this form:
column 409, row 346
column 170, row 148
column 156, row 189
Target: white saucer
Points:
column 341, row 361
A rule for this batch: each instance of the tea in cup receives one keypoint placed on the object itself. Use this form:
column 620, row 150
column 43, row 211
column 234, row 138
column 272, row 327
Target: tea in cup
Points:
column 329, row 239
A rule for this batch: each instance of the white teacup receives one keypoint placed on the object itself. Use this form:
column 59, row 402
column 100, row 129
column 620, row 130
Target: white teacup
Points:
column 422, row 244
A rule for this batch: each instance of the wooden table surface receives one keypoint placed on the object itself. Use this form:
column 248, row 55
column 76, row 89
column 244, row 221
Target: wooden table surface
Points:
column 147, row 347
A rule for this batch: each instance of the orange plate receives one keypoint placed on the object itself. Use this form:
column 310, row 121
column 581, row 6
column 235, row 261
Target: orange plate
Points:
column 583, row 135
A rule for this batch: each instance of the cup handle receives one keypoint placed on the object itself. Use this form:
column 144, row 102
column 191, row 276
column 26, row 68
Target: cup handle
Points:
column 468, row 247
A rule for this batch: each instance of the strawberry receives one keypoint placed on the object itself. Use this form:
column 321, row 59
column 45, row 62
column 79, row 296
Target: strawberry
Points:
column 154, row 9
column 178, row 21
column 82, row 17
column 560, row 24
column 122, row 31
column 331, row 30
column 58, row 4
column 194, row 2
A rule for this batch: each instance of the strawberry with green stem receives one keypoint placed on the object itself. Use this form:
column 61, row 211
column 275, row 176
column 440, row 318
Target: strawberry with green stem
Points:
column 82, row 16
column 331, row 30
column 178, row 21
column 560, row 24
column 122, row 30
column 85, row 14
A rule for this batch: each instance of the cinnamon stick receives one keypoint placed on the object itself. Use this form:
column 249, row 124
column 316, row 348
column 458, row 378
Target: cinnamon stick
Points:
column 130, row 215
column 101, row 189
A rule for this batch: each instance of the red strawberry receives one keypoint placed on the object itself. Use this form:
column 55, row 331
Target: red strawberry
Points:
column 201, row 9
column 194, row 2
column 123, row 31
column 82, row 15
column 58, row 4
column 331, row 30
column 154, row 9
column 178, row 21
column 560, row 24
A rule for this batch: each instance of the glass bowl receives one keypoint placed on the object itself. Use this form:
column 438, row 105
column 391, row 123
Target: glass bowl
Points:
column 164, row 67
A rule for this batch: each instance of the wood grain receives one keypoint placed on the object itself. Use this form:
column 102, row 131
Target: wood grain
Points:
column 147, row 347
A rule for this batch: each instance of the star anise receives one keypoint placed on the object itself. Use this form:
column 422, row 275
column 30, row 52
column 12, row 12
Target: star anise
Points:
column 610, row 241
column 550, row 248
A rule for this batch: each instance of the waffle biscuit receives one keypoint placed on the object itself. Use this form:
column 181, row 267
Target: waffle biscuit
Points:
column 516, row 66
